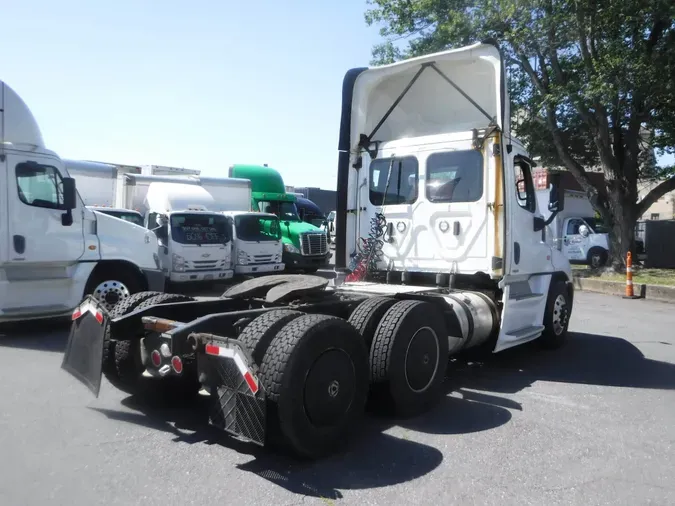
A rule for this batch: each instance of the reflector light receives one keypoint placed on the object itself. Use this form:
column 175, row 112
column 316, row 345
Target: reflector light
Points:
column 218, row 351
column 87, row 307
column 177, row 364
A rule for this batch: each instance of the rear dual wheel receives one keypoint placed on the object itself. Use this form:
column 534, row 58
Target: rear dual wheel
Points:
column 314, row 370
column 408, row 352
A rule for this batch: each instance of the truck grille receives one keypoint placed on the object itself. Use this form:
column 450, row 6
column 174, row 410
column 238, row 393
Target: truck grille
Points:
column 204, row 265
column 261, row 259
column 313, row 244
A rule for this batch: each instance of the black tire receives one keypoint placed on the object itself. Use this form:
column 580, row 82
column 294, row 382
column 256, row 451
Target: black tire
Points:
column 258, row 334
column 315, row 374
column 124, row 307
column 394, row 386
column 597, row 257
column 122, row 284
column 557, row 315
column 368, row 315
column 128, row 364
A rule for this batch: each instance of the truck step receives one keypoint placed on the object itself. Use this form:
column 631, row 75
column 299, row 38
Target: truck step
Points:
column 524, row 334
column 531, row 297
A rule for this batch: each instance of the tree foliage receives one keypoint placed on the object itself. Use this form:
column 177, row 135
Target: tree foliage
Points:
column 592, row 83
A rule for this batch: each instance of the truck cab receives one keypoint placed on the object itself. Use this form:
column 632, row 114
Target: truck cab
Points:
column 305, row 245
column 433, row 190
column 195, row 243
column 256, row 242
column 53, row 249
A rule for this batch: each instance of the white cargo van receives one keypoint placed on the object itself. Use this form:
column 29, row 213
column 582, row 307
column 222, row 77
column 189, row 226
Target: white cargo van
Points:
column 53, row 250
column 256, row 240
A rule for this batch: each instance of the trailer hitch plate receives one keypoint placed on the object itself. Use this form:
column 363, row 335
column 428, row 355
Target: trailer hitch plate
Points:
column 83, row 357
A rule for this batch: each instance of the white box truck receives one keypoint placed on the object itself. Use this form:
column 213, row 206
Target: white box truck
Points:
column 97, row 185
column 575, row 231
column 53, row 249
column 256, row 239
column 195, row 242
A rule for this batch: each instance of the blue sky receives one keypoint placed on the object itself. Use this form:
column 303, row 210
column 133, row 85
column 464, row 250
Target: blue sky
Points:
column 200, row 84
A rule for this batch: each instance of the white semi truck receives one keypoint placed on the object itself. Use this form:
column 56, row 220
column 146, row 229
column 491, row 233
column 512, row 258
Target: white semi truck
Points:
column 576, row 232
column 446, row 255
column 53, row 249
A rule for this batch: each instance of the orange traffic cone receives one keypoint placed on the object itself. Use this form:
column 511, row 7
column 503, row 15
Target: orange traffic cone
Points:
column 630, row 294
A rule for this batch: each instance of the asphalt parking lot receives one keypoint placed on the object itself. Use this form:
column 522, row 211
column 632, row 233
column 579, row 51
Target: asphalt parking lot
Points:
column 593, row 423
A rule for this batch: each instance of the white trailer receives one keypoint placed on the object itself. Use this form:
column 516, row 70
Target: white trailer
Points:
column 575, row 231
column 53, row 249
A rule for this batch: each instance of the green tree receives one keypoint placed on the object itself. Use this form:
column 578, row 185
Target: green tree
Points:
column 592, row 83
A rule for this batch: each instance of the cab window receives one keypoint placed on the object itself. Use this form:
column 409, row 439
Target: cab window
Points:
column 455, row 176
column 573, row 226
column 39, row 185
column 525, row 194
column 394, row 181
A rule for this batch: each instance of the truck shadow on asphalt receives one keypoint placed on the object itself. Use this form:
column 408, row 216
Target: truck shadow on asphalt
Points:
column 375, row 458
column 371, row 458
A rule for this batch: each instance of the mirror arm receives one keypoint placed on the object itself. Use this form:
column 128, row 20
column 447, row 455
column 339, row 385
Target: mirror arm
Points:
column 551, row 218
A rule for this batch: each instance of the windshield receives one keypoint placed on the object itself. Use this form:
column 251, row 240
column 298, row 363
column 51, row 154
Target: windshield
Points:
column 284, row 210
column 199, row 229
column 597, row 225
column 257, row 228
column 132, row 217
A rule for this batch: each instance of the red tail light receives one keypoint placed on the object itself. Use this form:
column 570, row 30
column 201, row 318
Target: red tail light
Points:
column 177, row 365
column 156, row 358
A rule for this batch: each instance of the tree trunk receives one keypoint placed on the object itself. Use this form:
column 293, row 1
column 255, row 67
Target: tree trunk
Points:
column 622, row 230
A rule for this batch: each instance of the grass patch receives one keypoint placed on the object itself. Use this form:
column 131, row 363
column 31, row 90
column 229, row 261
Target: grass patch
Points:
column 664, row 277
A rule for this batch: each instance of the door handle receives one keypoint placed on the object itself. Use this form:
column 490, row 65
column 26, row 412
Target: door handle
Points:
column 19, row 244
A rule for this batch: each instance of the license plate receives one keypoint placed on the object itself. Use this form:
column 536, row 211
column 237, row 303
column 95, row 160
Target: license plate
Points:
column 208, row 276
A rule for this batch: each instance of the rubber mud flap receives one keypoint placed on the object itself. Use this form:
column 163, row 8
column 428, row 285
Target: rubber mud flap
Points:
column 83, row 357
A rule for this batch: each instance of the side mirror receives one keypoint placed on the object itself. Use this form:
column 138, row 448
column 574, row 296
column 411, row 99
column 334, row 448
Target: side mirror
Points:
column 69, row 201
column 583, row 231
column 556, row 203
column 69, row 194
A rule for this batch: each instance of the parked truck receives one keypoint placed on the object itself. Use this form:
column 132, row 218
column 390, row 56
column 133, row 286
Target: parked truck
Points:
column 256, row 242
column 305, row 246
column 53, row 249
column 577, row 232
column 448, row 257
column 195, row 240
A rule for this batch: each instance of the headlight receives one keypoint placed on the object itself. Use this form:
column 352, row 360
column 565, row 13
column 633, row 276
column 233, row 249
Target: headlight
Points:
column 242, row 258
column 289, row 248
column 178, row 263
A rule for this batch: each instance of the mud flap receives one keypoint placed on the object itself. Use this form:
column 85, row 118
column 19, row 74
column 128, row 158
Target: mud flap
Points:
column 239, row 403
column 83, row 357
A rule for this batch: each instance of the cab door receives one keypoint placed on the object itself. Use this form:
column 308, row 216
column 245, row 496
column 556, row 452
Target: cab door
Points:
column 528, row 257
column 43, row 245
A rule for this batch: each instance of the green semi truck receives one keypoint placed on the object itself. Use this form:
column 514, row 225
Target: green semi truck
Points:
column 305, row 246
